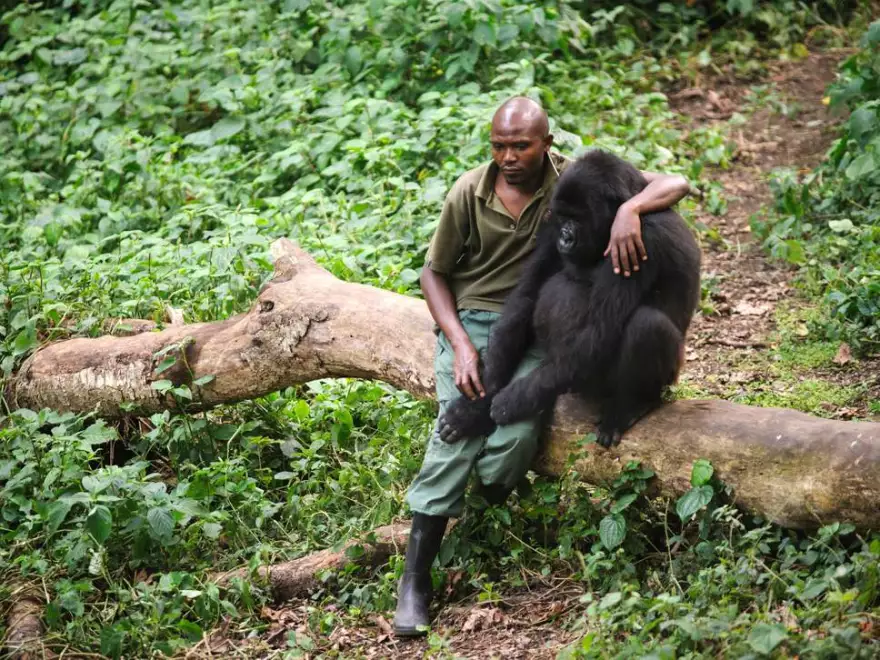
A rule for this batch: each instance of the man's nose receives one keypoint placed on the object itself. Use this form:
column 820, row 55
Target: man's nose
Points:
column 509, row 155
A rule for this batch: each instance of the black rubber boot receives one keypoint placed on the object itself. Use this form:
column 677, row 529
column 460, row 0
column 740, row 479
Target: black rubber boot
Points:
column 414, row 592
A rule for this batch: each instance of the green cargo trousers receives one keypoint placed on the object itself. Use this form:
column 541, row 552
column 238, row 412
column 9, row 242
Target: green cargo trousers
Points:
column 502, row 458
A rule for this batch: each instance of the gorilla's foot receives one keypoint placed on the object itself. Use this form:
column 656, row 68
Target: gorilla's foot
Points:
column 613, row 426
column 465, row 419
column 508, row 406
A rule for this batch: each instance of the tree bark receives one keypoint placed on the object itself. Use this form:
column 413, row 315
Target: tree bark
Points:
column 794, row 469
column 25, row 626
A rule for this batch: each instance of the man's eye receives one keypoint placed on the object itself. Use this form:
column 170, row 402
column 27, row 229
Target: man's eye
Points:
column 522, row 146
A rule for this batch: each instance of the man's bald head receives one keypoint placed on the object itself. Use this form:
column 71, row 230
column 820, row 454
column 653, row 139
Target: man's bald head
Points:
column 520, row 142
column 521, row 115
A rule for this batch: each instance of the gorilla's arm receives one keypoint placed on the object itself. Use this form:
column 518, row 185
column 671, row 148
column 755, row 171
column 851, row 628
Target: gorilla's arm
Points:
column 514, row 331
column 511, row 338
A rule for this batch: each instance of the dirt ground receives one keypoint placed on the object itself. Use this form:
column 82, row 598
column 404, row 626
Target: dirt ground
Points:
column 539, row 623
column 749, row 288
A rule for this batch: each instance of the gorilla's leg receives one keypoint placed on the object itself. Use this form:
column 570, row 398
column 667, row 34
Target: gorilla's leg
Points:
column 648, row 361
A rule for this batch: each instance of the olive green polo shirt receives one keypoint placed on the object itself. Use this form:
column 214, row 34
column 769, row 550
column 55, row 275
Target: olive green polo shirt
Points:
column 479, row 245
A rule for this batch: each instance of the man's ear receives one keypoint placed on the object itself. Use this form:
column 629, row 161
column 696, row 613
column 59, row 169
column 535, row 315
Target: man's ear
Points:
column 548, row 142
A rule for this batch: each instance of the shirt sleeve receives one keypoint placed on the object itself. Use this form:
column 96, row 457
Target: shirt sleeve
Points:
column 451, row 234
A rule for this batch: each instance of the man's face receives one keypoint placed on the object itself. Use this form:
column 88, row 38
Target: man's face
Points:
column 518, row 152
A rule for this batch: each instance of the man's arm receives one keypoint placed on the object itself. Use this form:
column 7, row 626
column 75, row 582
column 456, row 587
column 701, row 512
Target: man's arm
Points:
column 441, row 304
column 625, row 246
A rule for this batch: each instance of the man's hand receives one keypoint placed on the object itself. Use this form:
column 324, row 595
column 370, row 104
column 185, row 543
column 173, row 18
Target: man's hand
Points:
column 625, row 246
column 466, row 369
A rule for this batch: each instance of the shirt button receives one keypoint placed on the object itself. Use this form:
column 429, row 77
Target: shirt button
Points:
column 512, row 226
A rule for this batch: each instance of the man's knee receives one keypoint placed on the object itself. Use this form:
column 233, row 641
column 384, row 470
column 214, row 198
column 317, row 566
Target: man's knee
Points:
column 509, row 453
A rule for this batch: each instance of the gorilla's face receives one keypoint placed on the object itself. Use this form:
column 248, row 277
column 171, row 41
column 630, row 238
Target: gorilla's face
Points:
column 579, row 238
column 582, row 216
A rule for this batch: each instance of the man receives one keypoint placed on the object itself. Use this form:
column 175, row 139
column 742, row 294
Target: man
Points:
column 486, row 231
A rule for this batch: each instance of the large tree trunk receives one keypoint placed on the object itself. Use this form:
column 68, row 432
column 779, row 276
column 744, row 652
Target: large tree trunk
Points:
column 796, row 470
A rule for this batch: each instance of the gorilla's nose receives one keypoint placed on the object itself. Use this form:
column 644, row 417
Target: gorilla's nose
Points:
column 566, row 238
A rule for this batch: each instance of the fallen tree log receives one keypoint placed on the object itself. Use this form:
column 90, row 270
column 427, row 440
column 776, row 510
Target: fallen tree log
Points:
column 302, row 576
column 24, row 625
column 794, row 469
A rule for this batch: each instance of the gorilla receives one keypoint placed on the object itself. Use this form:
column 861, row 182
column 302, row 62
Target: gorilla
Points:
column 616, row 340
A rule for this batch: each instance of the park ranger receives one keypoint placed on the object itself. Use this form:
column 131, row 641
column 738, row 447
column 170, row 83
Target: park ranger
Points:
column 487, row 229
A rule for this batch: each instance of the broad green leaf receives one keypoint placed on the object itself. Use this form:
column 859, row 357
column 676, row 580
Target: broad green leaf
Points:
column 94, row 485
column 624, row 502
column 812, row 589
column 610, row 599
column 612, row 530
column 190, row 507
column 162, row 385
column 226, row 128
column 25, row 341
column 692, row 501
column 354, row 60
column 484, row 34
column 741, row 7
column 409, row 276
column 212, row 530
column 204, row 380
column 99, row 523
column 841, row 226
column 863, row 121
column 872, row 36
column 301, row 410
column 764, row 638
column 794, row 252
column 166, row 364
column 200, row 139
column 861, row 167
column 701, row 472
column 57, row 513
column 161, row 522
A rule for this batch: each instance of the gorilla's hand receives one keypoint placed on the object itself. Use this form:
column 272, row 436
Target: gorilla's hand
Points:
column 465, row 419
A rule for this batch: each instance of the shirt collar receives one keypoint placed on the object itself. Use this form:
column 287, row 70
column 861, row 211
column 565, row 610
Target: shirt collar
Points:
column 486, row 187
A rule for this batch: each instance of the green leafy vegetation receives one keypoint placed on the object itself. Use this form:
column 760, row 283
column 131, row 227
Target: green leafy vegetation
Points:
column 827, row 222
column 152, row 152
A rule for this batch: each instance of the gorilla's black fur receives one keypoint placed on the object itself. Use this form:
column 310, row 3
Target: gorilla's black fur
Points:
column 614, row 339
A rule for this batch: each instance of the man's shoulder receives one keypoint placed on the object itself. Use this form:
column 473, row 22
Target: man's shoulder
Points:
column 467, row 185
column 561, row 162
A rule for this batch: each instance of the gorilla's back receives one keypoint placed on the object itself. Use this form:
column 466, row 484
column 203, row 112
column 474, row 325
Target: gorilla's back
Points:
column 669, row 240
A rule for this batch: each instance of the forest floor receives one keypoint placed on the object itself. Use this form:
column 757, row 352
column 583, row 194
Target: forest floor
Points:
column 753, row 348
column 756, row 347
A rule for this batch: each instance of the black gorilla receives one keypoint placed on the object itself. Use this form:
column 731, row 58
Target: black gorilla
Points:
column 613, row 339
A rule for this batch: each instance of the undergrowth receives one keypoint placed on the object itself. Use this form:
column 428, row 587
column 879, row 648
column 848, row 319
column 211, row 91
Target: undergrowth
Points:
column 827, row 222
column 152, row 152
